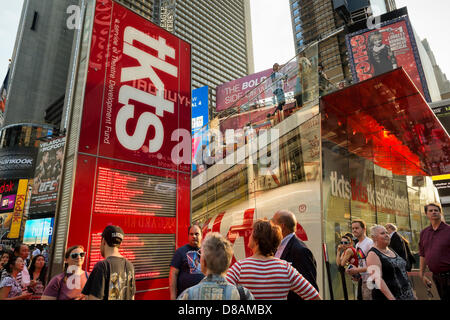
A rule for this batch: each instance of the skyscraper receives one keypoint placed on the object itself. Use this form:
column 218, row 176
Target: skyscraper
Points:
column 219, row 32
column 314, row 20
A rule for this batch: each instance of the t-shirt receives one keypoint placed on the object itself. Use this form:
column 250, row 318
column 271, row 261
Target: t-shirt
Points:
column 270, row 279
column 111, row 279
column 187, row 260
column 362, row 249
column 59, row 288
column 16, row 289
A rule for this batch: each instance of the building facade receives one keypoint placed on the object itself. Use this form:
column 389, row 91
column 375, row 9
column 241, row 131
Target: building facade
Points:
column 219, row 32
column 316, row 20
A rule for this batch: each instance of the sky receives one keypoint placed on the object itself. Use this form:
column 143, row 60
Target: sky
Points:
column 272, row 30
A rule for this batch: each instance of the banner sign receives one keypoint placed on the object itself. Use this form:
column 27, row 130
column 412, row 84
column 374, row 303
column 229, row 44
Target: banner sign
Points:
column 16, row 222
column 393, row 45
column 200, row 121
column 47, row 176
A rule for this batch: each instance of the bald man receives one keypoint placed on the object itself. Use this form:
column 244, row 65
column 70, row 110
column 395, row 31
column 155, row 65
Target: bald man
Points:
column 293, row 250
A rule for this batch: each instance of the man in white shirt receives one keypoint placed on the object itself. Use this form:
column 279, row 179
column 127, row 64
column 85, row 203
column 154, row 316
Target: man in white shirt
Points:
column 362, row 248
column 36, row 252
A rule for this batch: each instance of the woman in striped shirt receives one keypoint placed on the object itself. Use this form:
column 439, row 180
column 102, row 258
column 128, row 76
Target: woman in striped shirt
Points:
column 264, row 275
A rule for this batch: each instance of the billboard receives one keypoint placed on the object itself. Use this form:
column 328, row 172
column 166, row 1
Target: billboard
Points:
column 200, row 121
column 17, row 162
column 135, row 127
column 16, row 218
column 393, row 45
column 47, row 176
column 38, row 231
column 230, row 92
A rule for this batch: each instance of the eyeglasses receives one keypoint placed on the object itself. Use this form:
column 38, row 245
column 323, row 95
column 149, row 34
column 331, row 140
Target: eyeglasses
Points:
column 345, row 242
column 76, row 254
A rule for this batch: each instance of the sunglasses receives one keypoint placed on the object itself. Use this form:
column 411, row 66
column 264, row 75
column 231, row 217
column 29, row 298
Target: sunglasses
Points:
column 345, row 242
column 76, row 254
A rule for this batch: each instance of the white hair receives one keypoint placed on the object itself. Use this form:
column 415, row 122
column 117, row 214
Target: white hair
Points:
column 373, row 230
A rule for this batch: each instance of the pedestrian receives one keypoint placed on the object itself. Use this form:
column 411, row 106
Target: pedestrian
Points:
column 346, row 254
column 264, row 275
column 5, row 255
column 68, row 284
column 45, row 253
column 362, row 249
column 38, row 271
column 434, row 251
column 387, row 269
column 10, row 288
column 278, row 79
column 216, row 255
column 22, row 250
column 112, row 278
column 185, row 268
column 400, row 245
column 36, row 251
column 294, row 251
column 347, row 258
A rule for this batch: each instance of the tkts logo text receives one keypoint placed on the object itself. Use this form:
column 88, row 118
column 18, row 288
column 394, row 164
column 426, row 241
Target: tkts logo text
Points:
column 127, row 94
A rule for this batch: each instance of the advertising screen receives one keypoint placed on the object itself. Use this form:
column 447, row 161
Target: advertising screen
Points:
column 38, row 231
column 376, row 51
column 200, row 121
column 47, row 176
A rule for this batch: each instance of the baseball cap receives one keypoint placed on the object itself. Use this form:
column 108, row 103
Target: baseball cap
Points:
column 113, row 235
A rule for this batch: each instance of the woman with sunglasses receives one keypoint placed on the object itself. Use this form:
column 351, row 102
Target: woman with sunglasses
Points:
column 346, row 253
column 69, row 284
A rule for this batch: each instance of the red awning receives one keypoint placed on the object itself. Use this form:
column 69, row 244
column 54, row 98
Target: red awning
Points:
column 387, row 120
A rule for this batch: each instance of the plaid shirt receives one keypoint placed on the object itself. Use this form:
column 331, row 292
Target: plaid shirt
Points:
column 213, row 287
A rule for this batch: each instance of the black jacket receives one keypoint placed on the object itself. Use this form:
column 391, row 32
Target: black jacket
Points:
column 402, row 249
column 301, row 258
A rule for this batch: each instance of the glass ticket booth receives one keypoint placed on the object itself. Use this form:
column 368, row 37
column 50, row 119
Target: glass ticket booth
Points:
column 367, row 151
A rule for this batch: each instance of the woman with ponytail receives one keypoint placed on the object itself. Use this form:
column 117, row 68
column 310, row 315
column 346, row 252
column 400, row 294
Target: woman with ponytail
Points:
column 69, row 284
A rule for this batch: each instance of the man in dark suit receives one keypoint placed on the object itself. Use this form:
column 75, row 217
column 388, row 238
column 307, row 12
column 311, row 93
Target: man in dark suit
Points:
column 400, row 246
column 293, row 250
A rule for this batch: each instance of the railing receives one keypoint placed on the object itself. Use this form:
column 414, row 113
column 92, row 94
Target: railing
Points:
column 296, row 85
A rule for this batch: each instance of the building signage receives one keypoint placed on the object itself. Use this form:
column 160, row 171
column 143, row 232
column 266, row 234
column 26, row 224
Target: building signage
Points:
column 393, row 45
column 18, row 209
column 229, row 93
column 354, row 190
column 167, row 14
column 200, row 121
column 147, row 89
column 17, row 163
column 47, row 176
column 135, row 127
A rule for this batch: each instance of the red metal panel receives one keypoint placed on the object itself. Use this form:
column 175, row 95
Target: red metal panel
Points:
column 95, row 84
column 183, row 208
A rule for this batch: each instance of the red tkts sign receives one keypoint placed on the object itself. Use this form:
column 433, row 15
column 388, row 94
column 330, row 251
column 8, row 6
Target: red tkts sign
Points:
column 139, row 102
column 133, row 161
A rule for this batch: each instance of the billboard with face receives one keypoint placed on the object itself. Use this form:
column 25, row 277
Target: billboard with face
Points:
column 375, row 51
column 47, row 176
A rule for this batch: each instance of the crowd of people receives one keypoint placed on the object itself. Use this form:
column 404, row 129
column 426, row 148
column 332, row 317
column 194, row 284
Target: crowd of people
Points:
column 111, row 279
column 281, row 266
